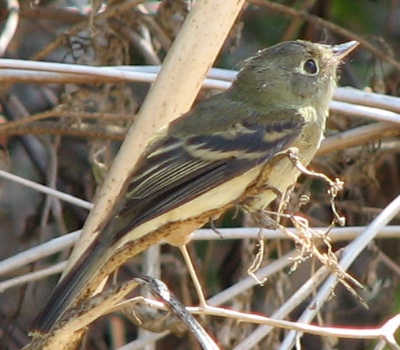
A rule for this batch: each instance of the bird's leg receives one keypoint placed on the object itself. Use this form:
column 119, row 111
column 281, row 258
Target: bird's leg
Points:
column 264, row 220
column 214, row 228
column 193, row 275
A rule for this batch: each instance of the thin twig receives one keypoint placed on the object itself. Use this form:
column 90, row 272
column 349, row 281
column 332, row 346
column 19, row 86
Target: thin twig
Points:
column 286, row 10
column 10, row 25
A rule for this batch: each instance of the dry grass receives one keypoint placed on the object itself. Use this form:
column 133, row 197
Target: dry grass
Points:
column 62, row 125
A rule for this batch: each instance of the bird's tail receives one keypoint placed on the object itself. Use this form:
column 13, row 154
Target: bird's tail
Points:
column 74, row 283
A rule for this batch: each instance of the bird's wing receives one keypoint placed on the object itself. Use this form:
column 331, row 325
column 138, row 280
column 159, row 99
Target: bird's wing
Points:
column 176, row 170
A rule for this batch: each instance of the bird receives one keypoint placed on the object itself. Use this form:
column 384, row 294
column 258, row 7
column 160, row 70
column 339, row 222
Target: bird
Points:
column 226, row 151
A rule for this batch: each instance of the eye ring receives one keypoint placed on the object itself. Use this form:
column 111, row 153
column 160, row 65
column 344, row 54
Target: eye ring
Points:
column 310, row 67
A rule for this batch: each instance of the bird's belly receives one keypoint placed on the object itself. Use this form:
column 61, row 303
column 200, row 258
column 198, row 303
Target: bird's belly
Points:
column 219, row 197
column 283, row 175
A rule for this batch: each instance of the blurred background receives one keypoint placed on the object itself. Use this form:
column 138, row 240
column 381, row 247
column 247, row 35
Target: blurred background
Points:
column 65, row 134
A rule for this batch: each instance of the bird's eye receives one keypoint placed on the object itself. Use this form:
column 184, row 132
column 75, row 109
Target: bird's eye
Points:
column 310, row 67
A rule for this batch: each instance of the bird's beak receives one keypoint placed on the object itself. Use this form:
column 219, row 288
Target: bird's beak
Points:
column 342, row 50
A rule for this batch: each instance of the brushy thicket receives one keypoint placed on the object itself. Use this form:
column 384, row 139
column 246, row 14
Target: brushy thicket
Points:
column 65, row 135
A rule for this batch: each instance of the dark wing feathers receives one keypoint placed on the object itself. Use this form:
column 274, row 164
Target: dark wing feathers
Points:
column 180, row 170
column 174, row 172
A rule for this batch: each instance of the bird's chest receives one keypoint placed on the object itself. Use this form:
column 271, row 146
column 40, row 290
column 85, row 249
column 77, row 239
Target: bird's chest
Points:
column 280, row 172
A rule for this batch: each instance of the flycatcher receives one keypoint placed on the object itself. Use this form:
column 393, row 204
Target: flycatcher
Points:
column 228, row 150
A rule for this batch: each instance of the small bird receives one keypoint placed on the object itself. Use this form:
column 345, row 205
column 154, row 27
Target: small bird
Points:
column 228, row 150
